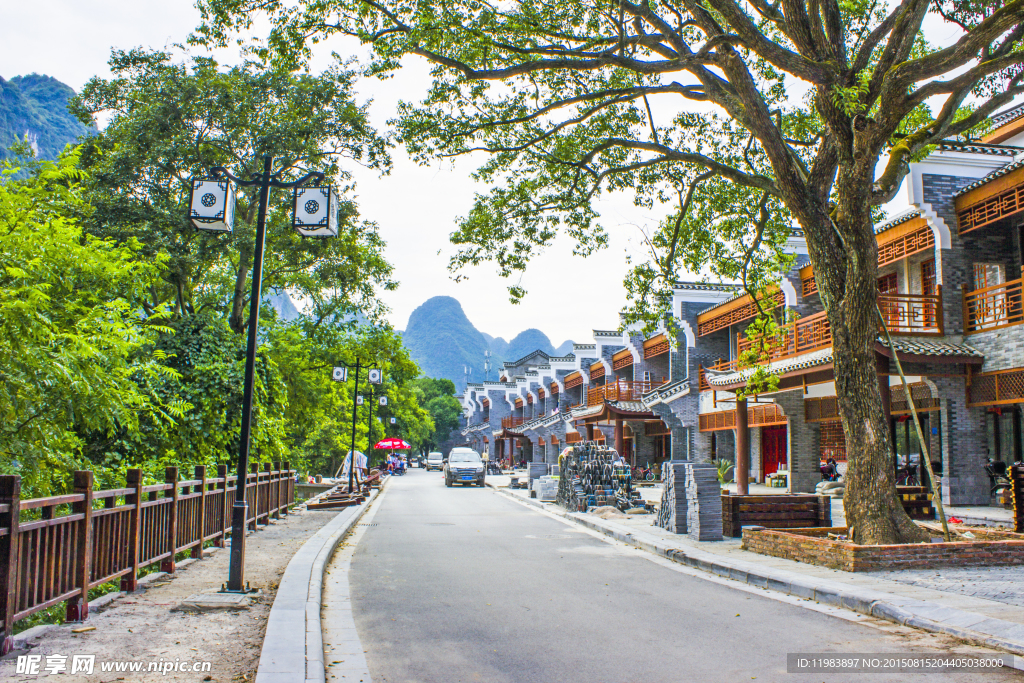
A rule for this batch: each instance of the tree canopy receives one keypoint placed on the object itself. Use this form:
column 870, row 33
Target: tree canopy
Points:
column 752, row 116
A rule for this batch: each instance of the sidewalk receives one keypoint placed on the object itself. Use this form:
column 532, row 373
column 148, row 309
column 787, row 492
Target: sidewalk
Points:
column 980, row 605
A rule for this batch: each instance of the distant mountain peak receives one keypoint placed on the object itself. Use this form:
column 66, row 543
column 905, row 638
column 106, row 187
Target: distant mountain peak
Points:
column 444, row 343
column 36, row 107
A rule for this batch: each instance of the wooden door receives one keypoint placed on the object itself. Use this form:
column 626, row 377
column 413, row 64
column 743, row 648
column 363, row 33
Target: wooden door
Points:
column 773, row 449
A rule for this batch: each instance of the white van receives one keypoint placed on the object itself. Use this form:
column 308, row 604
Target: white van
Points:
column 434, row 461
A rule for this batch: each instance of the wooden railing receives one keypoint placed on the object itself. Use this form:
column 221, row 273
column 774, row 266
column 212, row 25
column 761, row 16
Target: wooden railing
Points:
column 905, row 314
column 509, row 422
column 758, row 415
column 619, row 390
column 993, row 308
column 55, row 549
column 912, row 314
column 803, row 336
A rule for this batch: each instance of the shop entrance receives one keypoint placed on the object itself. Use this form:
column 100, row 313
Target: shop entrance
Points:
column 773, row 449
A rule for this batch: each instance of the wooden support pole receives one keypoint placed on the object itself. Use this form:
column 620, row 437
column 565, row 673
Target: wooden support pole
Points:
column 197, row 550
column 171, row 477
column 620, row 440
column 271, row 506
column 78, row 606
column 742, row 448
column 133, row 480
column 10, row 496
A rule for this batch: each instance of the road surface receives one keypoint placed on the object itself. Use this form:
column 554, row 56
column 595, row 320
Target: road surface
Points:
column 463, row 584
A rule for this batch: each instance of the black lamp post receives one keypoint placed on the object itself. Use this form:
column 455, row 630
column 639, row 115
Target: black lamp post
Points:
column 373, row 376
column 212, row 209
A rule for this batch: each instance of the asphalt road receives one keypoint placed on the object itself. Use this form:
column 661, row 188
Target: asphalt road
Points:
column 463, row 584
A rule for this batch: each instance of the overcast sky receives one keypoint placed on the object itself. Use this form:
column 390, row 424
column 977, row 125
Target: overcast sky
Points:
column 415, row 206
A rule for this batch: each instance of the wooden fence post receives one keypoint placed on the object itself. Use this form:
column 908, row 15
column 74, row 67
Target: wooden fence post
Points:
column 197, row 550
column 277, row 489
column 78, row 606
column 289, row 487
column 255, row 505
column 225, row 505
column 133, row 480
column 171, row 477
column 268, row 469
column 10, row 507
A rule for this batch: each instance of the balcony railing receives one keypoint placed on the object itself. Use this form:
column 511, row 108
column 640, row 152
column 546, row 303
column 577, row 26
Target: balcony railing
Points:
column 509, row 422
column 993, row 308
column 912, row 314
column 619, row 390
column 904, row 314
column 797, row 338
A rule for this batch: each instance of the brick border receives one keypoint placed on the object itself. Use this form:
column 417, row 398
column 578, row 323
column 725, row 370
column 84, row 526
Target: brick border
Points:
column 812, row 547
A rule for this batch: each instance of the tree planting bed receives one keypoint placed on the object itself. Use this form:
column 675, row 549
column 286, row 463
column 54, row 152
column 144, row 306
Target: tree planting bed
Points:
column 989, row 547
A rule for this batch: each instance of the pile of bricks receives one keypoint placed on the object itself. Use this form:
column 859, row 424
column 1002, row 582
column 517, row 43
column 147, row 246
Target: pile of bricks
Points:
column 673, row 508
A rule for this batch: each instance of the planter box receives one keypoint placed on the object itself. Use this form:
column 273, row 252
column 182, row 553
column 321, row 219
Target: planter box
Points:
column 787, row 511
column 812, row 546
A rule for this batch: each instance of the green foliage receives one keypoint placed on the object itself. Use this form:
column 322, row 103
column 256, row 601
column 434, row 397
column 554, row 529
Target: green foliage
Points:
column 437, row 396
column 174, row 121
column 75, row 348
column 723, row 471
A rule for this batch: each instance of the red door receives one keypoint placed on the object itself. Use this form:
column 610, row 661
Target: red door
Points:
column 773, row 449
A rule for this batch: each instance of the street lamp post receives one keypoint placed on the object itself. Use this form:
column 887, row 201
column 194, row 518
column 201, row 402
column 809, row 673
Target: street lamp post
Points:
column 212, row 209
column 341, row 375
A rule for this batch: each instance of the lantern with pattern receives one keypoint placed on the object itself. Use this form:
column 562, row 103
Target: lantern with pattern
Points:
column 316, row 211
column 212, row 205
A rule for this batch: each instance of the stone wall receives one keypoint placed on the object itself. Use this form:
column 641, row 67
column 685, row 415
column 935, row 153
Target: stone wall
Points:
column 964, row 445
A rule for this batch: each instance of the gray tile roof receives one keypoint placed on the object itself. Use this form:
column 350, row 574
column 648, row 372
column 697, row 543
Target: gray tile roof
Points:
column 779, row 367
column 666, row 392
column 931, row 348
column 585, row 411
column 824, row 356
column 999, row 172
column 631, row 406
column 607, row 333
column 898, row 219
column 706, row 286
column 1005, row 117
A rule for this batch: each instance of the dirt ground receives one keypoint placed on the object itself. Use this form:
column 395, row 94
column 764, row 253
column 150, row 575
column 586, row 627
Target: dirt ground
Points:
column 141, row 627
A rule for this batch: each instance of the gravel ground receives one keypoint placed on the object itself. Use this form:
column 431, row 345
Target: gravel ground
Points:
column 142, row 627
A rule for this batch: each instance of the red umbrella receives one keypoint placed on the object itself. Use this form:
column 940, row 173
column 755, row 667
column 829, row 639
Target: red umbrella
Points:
column 393, row 443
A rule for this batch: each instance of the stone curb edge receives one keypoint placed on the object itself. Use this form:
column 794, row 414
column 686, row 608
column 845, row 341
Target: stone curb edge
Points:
column 289, row 613
column 870, row 603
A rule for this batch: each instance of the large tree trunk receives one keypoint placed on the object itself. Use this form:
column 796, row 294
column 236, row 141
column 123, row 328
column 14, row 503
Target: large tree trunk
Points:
column 849, row 291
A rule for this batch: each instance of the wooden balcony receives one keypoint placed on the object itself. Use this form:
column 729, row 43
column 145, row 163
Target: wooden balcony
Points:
column 619, row 390
column 905, row 314
column 758, row 415
column 510, row 422
column 912, row 314
column 993, row 308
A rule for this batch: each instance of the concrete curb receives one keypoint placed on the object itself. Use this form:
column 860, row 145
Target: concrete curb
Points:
column 927, row 616
column 293, row 644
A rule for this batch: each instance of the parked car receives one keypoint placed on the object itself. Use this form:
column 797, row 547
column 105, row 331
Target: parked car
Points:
column 435, row 461
column 464, row 466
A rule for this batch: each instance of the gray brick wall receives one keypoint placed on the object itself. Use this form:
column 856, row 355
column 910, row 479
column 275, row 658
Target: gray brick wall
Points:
column 804, row 443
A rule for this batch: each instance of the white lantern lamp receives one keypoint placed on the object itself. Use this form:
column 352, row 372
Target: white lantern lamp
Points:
column 212, row 205
column 316, row 211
